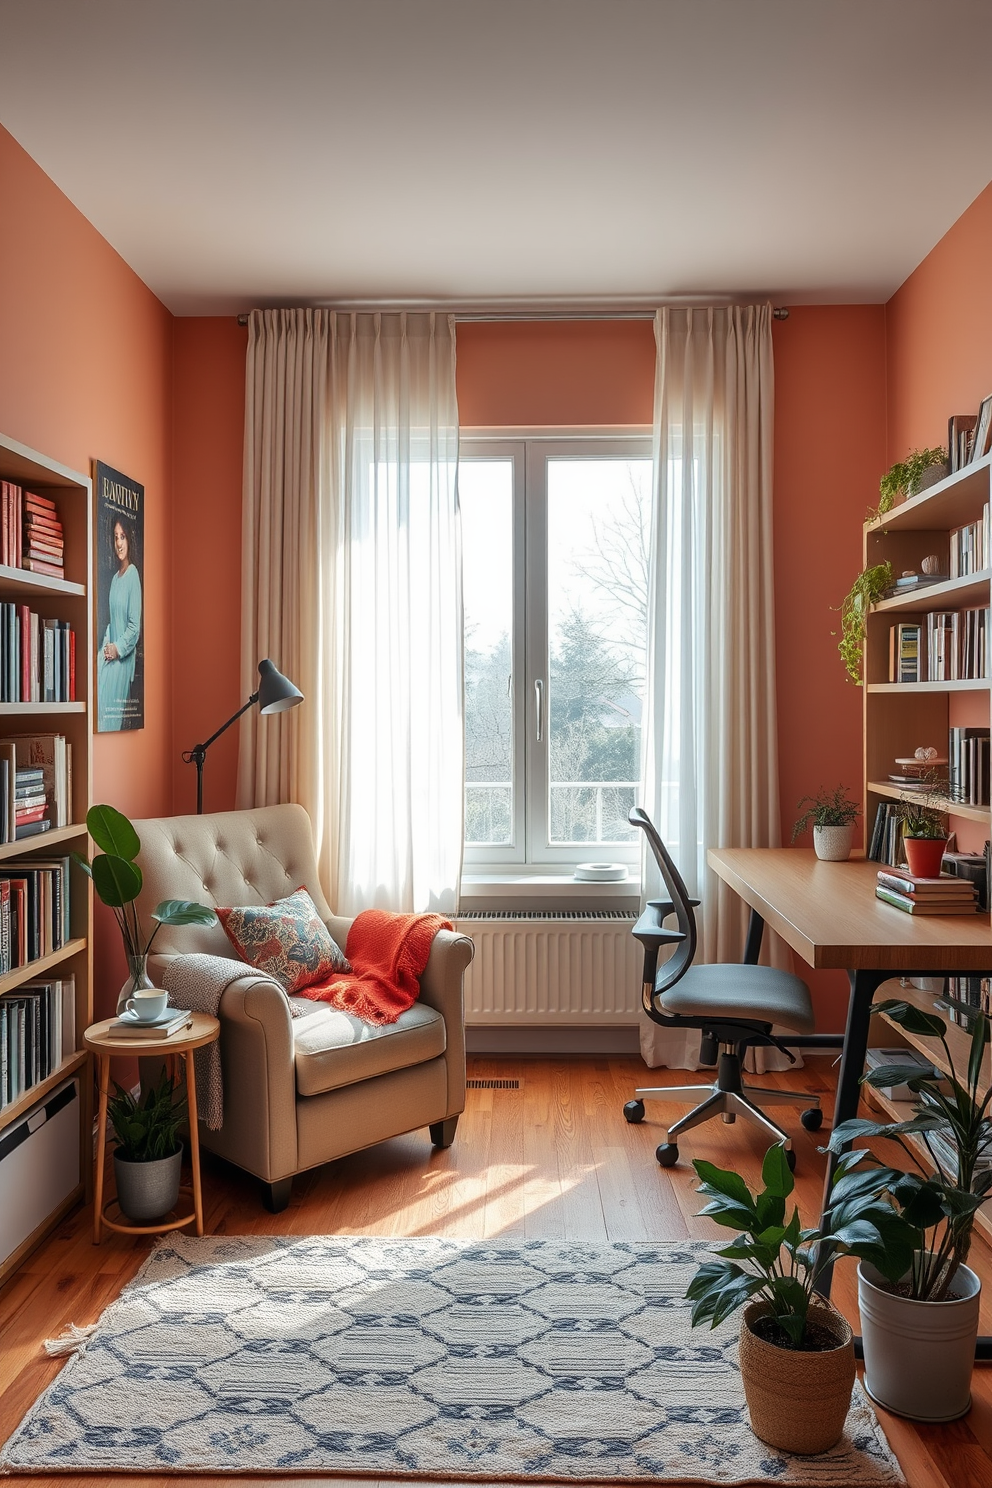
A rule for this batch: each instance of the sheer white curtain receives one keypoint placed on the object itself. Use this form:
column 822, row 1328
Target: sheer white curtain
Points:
column 711, row 761
column 352, row 584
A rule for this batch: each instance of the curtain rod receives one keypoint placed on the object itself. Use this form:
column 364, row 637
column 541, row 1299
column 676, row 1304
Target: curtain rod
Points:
column 625, row 311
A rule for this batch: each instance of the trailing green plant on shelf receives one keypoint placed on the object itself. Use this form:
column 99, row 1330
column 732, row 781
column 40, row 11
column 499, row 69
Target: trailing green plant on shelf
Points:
column 905, row 478
column 828, row 808
column 868, row 588
column 939, row 1209
column 147, row 1129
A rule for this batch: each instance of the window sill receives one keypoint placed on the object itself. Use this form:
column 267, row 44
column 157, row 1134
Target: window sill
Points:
column 503, row 891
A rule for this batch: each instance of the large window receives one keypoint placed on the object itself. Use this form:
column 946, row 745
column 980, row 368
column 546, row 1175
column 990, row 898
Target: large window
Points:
column 555, row 538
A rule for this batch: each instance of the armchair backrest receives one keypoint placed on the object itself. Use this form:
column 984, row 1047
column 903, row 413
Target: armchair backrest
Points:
column 225, row 858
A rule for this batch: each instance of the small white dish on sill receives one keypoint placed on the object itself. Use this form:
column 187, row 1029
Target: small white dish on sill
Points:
column 600, row 873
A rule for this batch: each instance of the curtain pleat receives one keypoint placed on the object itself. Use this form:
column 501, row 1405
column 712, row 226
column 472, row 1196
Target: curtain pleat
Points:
column 353, row 586
column 710, row 762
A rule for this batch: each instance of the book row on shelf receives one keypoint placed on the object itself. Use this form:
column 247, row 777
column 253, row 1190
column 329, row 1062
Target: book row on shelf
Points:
column 34, row 910
column 968, row 765
column 968, row 436
column 31, row 534
column 969, row 546
column 35, row 785
column 948, row 646
column 37, row 1032
column 37, row 657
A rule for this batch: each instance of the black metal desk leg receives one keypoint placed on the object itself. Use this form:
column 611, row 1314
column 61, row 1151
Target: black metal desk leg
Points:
column 752, row 946
column 864, row 985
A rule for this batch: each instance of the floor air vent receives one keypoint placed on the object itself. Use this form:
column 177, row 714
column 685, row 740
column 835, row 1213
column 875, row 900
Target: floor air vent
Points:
column 492, row 1084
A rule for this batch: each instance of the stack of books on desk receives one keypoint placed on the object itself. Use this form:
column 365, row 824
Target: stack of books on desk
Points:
column 945, row 895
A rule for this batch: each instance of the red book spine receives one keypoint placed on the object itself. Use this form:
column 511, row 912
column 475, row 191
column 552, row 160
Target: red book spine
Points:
column 4, row 504
column 54, row 570
column 45, row 503
column 72, row 666
column 34, row 519
column 35, row 537
column 35, row 814
column 46, row 555
column 25, row 654
column 18, row 519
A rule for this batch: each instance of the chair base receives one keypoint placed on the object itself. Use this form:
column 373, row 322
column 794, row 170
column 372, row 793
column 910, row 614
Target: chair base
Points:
column 729, row 1098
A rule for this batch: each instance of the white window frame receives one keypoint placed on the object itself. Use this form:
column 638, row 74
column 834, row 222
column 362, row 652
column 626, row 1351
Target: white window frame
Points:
column 530, row 851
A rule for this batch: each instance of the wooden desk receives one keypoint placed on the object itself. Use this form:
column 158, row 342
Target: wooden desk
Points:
column 828, row 914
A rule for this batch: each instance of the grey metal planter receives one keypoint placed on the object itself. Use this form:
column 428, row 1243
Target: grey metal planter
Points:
column 148, row 1190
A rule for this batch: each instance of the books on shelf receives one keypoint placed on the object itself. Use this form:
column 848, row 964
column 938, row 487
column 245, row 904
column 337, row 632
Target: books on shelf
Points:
column 969, row 546
column 37, row 1033
column 31, row 533
column 37, row 657
column 34, row 909
column 905, row 652
column 960, row 439
column 128, row 1028
column 35, row 784
column 968, row 765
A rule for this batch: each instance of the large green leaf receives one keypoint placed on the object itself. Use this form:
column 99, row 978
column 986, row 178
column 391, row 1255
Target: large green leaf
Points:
column 112, row 832
column 723, row 1181
column 913, row 1019
column 116, row 880
column 776, row 1174
column 899, row 1074
column 979, row 1038
column 769, row 1209
column 183, row 912
column 848, row 1131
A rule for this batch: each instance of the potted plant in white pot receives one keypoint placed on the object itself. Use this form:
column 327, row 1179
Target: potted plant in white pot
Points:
column 796, row 1350
column 148, row 1155
column 832, row 814
column 919, row 1325
column 117, row 880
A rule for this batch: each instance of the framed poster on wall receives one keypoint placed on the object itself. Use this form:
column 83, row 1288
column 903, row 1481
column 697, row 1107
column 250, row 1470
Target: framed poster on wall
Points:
column 119, row 548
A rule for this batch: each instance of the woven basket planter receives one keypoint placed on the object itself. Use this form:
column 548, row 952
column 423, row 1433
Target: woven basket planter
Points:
column 797, row 1401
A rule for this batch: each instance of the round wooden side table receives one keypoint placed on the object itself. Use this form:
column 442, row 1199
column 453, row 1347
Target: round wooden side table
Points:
column 203, row 1030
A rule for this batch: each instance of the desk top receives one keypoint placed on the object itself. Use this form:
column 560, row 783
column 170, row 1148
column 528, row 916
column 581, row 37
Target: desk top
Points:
column 828, row 914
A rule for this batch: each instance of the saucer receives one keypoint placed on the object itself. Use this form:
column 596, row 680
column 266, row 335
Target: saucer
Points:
column 166, row 1017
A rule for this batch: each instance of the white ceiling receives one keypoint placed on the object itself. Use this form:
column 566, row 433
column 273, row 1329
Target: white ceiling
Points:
column 257, row 152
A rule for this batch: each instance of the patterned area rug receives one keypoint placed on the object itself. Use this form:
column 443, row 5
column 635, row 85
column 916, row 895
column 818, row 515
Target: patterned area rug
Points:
column 431, row 1358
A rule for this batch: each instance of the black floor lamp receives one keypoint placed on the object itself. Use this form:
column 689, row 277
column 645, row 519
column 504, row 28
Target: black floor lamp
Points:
column 275, row 694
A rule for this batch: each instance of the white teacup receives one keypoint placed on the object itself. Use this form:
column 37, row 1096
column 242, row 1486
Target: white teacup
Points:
column 148, row 1005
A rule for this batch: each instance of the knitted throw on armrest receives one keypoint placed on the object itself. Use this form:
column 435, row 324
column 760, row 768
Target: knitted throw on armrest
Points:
column 388, row 953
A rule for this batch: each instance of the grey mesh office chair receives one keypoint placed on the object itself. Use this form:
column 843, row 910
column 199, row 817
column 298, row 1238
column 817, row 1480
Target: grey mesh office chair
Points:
column 734, row 1006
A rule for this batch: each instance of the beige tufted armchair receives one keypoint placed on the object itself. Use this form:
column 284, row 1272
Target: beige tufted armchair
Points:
column 300, row 1092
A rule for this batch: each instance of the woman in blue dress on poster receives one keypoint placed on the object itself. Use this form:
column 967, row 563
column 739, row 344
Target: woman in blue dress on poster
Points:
column 116, row 660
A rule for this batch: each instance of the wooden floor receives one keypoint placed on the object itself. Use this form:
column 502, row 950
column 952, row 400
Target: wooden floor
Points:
column 554, row 1158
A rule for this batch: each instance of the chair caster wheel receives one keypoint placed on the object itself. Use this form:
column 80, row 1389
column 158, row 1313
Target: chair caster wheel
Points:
column 634, row 1111
column 790, row 1158
column 812, row 1119
column 668, row 1154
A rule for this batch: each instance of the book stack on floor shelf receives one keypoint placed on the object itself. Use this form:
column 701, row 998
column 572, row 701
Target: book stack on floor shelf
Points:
column 46, row 999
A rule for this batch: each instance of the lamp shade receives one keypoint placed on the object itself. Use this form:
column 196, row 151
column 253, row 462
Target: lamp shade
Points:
column 275, row 692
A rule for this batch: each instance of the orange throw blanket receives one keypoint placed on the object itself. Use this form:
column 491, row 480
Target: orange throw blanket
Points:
column 388, row 953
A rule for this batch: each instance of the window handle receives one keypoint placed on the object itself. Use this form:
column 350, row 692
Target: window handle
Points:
column 539, row 703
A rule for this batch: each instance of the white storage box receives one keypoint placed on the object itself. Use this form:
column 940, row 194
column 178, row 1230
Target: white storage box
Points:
column 876, row 1058
column 39, row 1165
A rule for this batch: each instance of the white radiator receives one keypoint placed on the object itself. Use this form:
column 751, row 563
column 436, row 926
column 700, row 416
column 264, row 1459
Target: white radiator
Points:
column 580, row 968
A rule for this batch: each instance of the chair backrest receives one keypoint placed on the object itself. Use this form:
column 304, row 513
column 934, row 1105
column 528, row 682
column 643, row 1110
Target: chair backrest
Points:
column 681, row 958
column 224, row 858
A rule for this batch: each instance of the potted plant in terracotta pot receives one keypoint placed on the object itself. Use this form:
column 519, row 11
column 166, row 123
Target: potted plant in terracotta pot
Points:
column 796, row 1350
column 832, row 814
column 919, row 1326
column 923, row 824
column 148, row 1155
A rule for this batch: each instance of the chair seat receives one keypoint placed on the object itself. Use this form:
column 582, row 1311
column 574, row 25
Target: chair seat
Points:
column 333, row 1049
column 757, row 994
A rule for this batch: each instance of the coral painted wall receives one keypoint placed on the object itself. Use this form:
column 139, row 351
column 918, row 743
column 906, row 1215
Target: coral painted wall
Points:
column 209, row 413
column 86, row 372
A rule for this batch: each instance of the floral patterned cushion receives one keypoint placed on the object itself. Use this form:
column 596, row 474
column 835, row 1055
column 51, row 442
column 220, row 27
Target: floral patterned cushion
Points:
column 287, row 940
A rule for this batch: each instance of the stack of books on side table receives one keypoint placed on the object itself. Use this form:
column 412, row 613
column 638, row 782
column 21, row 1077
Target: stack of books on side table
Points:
column 173, row 1020
column 945, row 895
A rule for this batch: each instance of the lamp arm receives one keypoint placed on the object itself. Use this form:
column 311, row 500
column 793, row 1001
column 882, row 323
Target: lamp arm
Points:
column 198, row 753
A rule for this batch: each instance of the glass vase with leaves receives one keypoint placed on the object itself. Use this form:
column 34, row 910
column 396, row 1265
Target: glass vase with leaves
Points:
column 117, row 880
